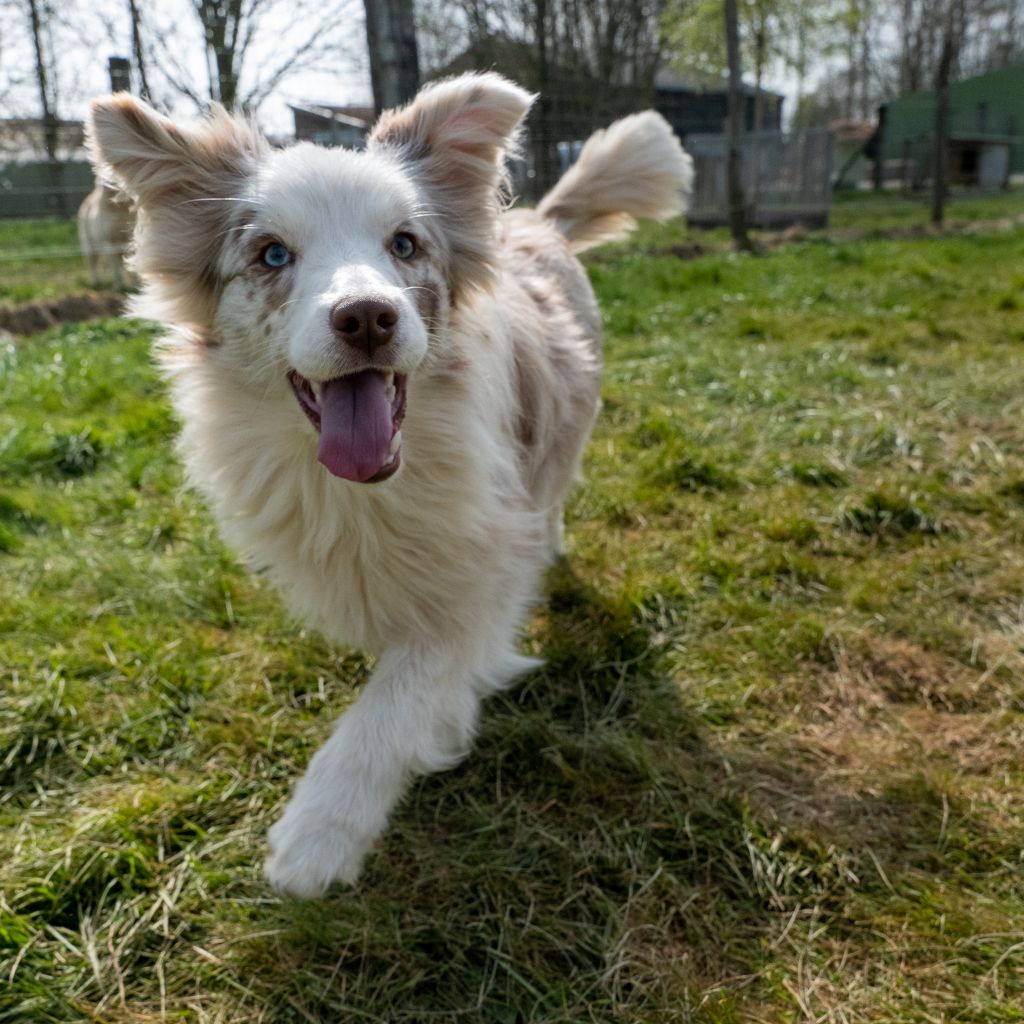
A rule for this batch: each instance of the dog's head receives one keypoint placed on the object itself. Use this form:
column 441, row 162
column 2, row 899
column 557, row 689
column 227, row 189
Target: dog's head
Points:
column 324, row 271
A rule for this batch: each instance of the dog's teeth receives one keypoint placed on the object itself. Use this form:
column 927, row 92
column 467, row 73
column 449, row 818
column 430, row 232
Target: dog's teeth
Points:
column 390, row 392
column 396, row 443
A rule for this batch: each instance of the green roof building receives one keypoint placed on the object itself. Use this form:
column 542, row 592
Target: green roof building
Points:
column 985, row 125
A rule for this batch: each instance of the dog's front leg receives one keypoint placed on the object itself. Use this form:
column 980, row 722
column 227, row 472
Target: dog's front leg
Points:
column 417, row 714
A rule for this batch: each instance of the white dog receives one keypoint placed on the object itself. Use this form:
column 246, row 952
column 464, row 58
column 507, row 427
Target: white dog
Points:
column 385, row 386
column 105, row 222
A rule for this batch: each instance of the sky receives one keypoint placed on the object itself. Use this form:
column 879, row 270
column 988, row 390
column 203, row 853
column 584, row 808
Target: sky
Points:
column 87, row 34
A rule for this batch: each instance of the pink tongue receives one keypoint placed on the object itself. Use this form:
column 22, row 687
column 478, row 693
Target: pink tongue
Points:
column 355, row 425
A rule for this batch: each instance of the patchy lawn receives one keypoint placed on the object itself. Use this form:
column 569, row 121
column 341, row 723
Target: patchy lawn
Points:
column 40, row 259
column 891, row 209
column 771, row 772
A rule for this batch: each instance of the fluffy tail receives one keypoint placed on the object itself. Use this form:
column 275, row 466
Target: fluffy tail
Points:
column 634, row 168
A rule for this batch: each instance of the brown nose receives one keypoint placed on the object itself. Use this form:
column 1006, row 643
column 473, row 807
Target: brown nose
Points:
column 365, row 324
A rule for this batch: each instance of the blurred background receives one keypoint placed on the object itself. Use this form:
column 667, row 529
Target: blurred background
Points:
column 772, row 772
column 924, row 98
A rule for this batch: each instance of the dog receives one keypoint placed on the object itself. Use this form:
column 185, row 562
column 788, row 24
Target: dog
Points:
column 385, row 383
column 105, row 221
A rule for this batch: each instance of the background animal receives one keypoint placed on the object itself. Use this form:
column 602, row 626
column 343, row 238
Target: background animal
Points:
column 105, row 222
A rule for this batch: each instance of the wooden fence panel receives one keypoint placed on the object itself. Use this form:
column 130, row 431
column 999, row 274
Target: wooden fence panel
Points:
column 787, row 179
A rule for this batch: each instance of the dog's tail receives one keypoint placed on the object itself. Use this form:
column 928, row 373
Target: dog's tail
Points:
column 635, row 168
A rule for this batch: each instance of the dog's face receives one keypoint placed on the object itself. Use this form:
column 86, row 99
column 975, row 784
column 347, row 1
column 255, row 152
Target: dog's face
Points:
column 332, row 283
column 327, row 273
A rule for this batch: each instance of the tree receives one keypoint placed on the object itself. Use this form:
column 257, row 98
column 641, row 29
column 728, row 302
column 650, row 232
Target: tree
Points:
column 734, row 171
column 590, row 61
column 138, row 51
column 776, row 34
column 394, row 60
column 39, row 16
column 952, row 38
column 306, row 33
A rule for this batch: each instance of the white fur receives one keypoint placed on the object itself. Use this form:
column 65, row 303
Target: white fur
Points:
column 435, row 568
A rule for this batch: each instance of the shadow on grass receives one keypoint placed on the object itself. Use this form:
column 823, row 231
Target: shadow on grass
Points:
column 597, row 856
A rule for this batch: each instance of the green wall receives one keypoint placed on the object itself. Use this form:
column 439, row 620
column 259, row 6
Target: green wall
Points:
column 991, row 104
column 26, row 189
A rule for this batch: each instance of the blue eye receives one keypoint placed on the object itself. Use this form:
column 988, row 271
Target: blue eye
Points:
column 403, row 245
column 276, row 256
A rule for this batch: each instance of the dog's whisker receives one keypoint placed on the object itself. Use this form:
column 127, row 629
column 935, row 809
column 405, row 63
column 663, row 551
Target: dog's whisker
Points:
column 221, row 199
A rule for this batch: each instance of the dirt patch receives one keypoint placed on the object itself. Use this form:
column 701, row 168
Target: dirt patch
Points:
column 979, row 744
column 40, row 314
column 876, row 672
column 900, row 232
column 769, row 240
column 906, row 672
column 685, row 251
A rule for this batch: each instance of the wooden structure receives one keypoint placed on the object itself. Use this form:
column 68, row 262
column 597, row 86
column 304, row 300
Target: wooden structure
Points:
column 985, row 146
column 787, row 179
column 692, row 108
column 332, row 126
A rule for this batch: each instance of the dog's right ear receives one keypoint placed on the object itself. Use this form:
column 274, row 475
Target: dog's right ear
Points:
column 186, row 182
column 155, row 159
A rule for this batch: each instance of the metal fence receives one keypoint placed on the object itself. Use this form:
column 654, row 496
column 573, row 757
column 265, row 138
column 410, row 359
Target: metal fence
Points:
column 787, row 179
column 37, row 188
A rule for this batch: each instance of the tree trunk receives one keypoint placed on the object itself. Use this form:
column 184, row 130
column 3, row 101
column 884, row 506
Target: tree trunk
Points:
column 542, row 127
column 50, row 121
column 760, row 57
column 737, row 201
column 851, row 60
column 140, row 63
column 394, row 61
column 952, row 30
column 865, row 60
column 878, row 168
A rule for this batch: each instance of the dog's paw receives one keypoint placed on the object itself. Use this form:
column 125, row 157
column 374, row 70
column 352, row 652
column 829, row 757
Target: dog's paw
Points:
column 309, row 850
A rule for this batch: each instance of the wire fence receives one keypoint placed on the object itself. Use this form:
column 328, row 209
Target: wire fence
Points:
column 786, row 178
column 43, row 188
column 39, row 200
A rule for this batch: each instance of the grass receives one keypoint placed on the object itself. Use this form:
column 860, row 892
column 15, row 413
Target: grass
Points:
column 40, row 259
column 771, row 771
column 894, row 209
column 852, row 216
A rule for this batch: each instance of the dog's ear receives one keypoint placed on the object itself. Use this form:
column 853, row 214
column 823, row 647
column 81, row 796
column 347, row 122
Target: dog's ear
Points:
column 184, row 181
column 155, row 159
column 454, row 136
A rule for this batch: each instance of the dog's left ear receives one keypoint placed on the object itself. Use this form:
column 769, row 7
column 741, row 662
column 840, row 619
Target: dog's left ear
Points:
column 455, row 135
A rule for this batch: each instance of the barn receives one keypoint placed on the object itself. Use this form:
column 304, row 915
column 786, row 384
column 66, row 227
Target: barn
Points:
column 985, row 143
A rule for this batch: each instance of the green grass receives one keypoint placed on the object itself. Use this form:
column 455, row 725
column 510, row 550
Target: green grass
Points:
column 882, row 210
column 852, row 215
column 40, row 259
column 771, row 771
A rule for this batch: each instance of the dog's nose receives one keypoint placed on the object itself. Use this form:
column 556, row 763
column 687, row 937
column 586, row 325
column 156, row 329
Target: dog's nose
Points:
column 365, row 324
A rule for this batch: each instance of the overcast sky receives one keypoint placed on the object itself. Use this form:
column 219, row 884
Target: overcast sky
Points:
column 85, row 38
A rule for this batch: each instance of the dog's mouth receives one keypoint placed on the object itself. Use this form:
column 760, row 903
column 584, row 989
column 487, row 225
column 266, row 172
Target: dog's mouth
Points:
column 359, row 420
